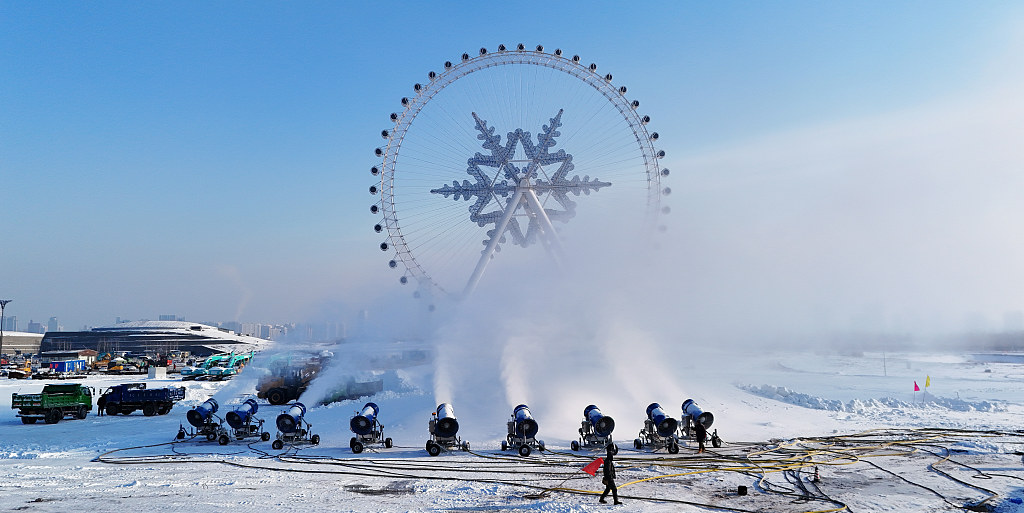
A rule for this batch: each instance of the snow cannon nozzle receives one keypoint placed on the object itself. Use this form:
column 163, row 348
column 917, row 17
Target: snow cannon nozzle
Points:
column 240, row 416
column 665, row 425
column 362, row 423
column 525, row 425
column 289, row 421
column 447, row 425
column 705, row 418
column 200, row 414
column 603, row 424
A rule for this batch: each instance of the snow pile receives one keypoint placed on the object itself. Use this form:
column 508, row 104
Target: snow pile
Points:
column 786, row 395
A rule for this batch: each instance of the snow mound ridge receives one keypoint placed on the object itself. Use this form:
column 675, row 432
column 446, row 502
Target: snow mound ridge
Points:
column 860, row 405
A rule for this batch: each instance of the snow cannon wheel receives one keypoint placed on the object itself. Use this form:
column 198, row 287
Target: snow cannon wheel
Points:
column 465, row 446
column 614, row 448
column 149, row 409
column 357, row 447
column 574, row 445
column 540, row 445
column 223, row 440
column 180, row 435
column 504, row 445
column 637, row 444
column 315, row 439
column 716, row 442
column 673, row 448
column 211, row 437
column 524, row 450
column 265, row 436
column 434, row 449
column 388, row 443
column 277, row 445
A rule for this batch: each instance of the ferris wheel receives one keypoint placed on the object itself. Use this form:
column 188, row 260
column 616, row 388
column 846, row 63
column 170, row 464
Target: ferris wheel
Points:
column 502, row 149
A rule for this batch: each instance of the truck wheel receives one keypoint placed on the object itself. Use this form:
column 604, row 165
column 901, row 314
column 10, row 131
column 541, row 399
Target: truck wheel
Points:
column 149, row 409
column 277, row 445
column 265, row 436
column 277, row 396
column 83, row 412
column 112, row 409
column 53, row 416
column 127, row 411
column 28, row 420
column 163, row 409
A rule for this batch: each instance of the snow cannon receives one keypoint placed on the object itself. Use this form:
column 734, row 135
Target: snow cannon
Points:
column 240, row 416
column 522, row 432
column 659, row 431
column 289, row 421
column 695, row 414
column 665, row 425
column 525, row 425
column 603, row 425
column 362, row 423
column 201, row 414
column 447, row 425
column 368, row 429
column 294, row 429
column 595, row 431
column 444, row 429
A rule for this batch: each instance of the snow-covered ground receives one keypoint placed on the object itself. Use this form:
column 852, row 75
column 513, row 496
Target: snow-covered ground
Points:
column 876, row 444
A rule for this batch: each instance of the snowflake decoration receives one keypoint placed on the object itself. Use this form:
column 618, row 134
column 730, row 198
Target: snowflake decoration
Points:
column 510, row 174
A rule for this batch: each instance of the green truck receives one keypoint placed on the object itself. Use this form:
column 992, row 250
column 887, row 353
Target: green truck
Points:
column 54, row 403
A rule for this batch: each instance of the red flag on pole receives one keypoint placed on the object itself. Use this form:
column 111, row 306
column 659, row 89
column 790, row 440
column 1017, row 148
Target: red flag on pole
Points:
column 916, row 388
column 592, row 467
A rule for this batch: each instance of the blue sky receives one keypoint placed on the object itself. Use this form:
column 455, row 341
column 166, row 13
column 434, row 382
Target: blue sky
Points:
column 211, row 160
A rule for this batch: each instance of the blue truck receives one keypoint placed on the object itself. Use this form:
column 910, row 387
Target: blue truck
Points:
column 128, row 397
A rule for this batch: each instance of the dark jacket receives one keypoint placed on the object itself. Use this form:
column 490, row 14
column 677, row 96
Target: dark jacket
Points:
column 609, row 468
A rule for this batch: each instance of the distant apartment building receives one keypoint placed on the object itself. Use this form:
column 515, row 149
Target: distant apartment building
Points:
column 11, row 323
column 35, row 327
column 53, row 325
column 171, row 317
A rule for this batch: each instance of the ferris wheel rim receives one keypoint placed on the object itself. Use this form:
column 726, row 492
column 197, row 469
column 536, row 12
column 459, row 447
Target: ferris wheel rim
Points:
column 467, row 65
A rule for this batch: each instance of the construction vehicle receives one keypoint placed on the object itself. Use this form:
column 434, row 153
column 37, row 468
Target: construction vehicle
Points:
column 128, row 397
column 54, row 403
column 288, row 379
column 227, row 369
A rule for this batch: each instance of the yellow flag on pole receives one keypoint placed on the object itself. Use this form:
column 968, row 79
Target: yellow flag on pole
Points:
column 927, row 381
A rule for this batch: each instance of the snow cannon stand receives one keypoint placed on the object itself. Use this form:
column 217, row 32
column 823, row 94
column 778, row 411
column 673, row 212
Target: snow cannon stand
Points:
column 693, row 414
column 522, row 432
column 206, row 424
column 293, row 429
column 595, row 431
column 659, row 431
column 444, row 428
column 368, row 429
column 244, row 423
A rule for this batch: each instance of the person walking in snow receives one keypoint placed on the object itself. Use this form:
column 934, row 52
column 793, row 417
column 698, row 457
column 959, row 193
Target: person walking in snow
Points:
column 700, row 433
column 609, row 477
